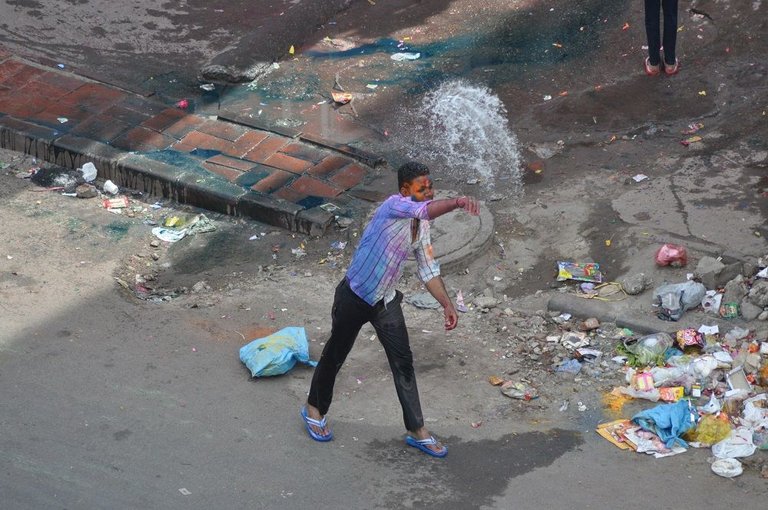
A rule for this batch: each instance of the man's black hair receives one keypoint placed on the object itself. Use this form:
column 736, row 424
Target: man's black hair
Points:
column 409, row 171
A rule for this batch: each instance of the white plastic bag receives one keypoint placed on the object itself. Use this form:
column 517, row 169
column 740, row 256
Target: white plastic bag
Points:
column 727, row 468
column 738, row 444
column 711, row 407
column 89, row 172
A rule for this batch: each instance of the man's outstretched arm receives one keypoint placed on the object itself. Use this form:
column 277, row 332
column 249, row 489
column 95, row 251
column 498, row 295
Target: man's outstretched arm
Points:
column 445, row 205
column 436, row 287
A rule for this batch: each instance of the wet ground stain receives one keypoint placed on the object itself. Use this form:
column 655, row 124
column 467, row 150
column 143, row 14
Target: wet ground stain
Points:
column 117, row 230
column 473, row 474
column 508, row 49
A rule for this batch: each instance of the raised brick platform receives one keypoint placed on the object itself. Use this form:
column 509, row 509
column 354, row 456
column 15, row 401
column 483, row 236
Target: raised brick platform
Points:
column 229, row 164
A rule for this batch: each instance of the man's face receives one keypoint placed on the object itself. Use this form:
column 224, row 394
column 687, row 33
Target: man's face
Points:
column 419, row 189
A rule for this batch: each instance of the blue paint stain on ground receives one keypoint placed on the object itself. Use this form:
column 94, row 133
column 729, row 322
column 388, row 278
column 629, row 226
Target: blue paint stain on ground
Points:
column 513, row 47
column 184, row 160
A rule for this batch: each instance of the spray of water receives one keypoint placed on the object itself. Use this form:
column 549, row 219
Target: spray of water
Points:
column 461, row 130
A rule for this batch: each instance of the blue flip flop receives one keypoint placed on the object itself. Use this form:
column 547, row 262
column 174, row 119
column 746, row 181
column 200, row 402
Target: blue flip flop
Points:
column 308, row 422
column 424, row 446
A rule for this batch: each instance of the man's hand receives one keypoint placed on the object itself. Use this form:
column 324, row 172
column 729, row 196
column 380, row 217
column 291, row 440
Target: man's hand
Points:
column 469, row 204
column 451, row 317
column 436, row 287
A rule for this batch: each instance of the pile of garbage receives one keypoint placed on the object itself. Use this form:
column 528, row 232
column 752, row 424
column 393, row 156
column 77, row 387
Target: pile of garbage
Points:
column 714, row 391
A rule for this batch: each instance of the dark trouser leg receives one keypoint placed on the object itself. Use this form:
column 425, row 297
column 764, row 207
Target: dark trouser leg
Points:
column 653, row 30
column 349, row 313
column 670, row 30
column 393, row 335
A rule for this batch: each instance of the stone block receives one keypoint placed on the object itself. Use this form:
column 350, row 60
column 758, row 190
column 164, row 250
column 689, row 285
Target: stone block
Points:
column 315, row 221
column 269, row 210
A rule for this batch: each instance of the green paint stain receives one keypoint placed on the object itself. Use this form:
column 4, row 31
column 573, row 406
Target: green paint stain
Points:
column 117, row 230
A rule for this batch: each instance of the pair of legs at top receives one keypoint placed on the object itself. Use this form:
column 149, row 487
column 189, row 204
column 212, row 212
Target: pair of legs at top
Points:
column 655, row 59
column 349, row 314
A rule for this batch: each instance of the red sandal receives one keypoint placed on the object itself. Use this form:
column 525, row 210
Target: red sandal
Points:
column 672, row 69
column 651, row 70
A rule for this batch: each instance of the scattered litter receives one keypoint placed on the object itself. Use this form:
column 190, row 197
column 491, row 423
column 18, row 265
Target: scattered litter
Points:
column 298, row 252
column 673, row 255
column 587, row 272
column 674, row 299
column 329, row 207
column 110, row 187
column 727, row 468
column 625, row 26
column 669, row 422
column 169, row 235
column 574, row 339
column 60, row 66
column 372, row 86
column 291, row 50
column 614, row 432
column 691, row 139
column 495, row 381
column 564, row 406
column 341, row 97
column 693, row 127
column 571, row 366
column 62, row 120
column 400, row 57
column 200, row 224
column 737, row 444
column 711, row 303
column 182, row 104
column 208, row 87
column 338, row 245
column 518, row 391
column 640, row 177
column 277, row 353
column 89, row 172
column 116, row 203
column 547, row 97
column 460, row 305
column 184, row 491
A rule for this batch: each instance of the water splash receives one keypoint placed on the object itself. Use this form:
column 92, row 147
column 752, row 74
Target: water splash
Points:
column 461, row 130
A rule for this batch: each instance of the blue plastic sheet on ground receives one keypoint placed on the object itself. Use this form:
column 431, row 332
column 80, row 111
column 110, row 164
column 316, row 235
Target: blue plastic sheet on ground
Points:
column 668, row 421
column 277, row 353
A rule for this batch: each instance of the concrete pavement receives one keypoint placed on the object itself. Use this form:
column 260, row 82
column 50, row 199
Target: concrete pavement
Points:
column 230, row 163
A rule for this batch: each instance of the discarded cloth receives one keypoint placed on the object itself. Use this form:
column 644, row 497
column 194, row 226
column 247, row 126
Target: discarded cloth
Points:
column 668, row 421
column 168, row 234
column 277, row 353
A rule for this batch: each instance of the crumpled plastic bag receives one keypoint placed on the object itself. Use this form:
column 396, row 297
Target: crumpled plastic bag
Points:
column 737, row 444
column 673, row 255
column 727, row 468
column 668, row 421
column 649, row 348
column 674, row 299
column 755, row 417
column 277, row 353
column 710, row 430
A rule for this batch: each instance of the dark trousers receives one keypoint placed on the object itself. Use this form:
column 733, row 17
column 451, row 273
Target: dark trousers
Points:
column 653, row 30
column 349, row 314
